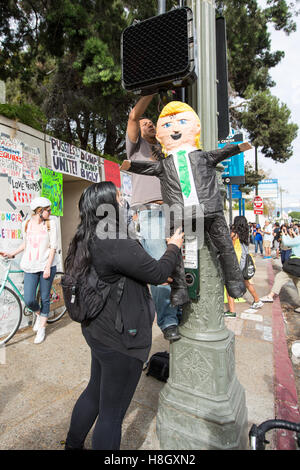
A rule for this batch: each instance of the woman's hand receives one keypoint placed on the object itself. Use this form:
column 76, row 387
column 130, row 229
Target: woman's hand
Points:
column 177, row 238
column 7, row 255
column 46, row 273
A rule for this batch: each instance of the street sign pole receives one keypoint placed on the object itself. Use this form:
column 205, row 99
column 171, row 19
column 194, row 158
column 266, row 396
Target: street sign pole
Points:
column 203, row 405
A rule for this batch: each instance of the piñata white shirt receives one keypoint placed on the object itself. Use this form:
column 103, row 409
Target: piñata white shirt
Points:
column 192, row 199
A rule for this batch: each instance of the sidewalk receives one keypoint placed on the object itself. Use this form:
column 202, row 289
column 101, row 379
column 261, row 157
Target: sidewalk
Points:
column 40, row 383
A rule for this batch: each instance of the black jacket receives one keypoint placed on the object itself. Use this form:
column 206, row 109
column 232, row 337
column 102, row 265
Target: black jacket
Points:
column 203, row 166
column 113, row 259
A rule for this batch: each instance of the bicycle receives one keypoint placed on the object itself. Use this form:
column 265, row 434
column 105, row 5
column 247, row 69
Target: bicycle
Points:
column 11, row 307
column 257, row 439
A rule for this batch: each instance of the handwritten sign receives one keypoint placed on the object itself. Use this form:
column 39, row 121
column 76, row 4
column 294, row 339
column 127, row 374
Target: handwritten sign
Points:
column 112, row 172
column 31, row 162
column 71, row 160
column 23, row 191
column 10, row 230
column 52, row 188
column 11, row 162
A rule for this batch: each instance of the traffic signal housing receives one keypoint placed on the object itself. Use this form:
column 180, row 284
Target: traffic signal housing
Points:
column 157, row 54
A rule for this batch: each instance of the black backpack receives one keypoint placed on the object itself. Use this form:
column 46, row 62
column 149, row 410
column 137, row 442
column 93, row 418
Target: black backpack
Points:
column 292, row 266
column 158, row 366
column 85, row 296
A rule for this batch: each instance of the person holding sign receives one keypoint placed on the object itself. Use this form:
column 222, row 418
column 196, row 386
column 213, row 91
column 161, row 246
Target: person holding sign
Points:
column 38, row 261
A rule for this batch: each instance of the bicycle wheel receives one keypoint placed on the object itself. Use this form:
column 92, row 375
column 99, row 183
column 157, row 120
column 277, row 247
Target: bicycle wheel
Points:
column 10, row 314
column 57, row 303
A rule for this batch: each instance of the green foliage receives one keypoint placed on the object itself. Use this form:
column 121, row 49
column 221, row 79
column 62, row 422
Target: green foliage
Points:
column 251, row 179
column 112, row 158
column 64, row 56
column 25, row 113
column 268, row 123
column 248, row 40
column 295, row 215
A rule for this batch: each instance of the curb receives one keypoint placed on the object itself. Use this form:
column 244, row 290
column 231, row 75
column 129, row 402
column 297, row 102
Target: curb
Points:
column 286, row 400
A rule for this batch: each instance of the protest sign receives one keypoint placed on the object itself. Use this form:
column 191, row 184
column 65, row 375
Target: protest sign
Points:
column 11, row 163
column 31, row 162
column 10, row 230
column 52, row 188
column 23, row 191
column 71, row 160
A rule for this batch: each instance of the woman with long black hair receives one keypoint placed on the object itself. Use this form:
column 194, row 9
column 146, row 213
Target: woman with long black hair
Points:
column 240, row 233
column 118, row 354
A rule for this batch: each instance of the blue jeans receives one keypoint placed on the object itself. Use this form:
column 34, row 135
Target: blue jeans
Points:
column 260, row 244
column 285, row 254
column 152, row 233
column 31, row 281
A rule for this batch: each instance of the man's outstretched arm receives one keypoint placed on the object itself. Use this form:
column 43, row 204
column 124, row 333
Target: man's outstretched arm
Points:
column 217, row 156
column 133, row 124
column 142, row 167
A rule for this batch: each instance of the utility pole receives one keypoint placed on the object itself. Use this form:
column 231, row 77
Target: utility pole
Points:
column 202, row 405
column 256, row 186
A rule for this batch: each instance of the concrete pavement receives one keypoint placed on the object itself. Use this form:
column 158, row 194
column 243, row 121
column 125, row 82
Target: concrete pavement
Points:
column 40, row 383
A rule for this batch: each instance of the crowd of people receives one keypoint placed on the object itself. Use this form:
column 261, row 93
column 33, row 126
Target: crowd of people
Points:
column 270, row 237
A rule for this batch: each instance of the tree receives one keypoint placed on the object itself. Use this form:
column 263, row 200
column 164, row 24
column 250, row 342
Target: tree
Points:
column 248, row 40
column 295, row 215
column 64, row 57
column 268, row 124
column 252, row 178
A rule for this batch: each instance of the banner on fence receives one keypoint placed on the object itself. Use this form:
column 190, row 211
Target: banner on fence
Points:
column 71, row 160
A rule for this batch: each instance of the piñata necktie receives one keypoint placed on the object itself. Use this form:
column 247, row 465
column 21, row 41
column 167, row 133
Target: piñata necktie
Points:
column 184, row 176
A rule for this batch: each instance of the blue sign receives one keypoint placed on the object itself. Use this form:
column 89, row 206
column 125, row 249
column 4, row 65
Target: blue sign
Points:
column 234, row 167
column 235, row 192
column 268, row 188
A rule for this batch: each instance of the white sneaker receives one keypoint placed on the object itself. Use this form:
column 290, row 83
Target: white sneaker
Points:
column 36, row 323
column 258, row 304
column 266, row 298
column 40, row 336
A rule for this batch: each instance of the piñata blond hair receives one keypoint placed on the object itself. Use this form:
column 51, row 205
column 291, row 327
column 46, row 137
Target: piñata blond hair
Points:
column 176, row 107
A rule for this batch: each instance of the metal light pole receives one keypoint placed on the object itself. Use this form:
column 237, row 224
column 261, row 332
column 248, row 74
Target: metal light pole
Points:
column 202, row 406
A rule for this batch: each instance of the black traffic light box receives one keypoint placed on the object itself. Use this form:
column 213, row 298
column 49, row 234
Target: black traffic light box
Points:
column 157, row 54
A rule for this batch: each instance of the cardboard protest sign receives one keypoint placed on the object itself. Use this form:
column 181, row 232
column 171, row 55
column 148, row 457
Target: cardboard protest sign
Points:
column 52, row 188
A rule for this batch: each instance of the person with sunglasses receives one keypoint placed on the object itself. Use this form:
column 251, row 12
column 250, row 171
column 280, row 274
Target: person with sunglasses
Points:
column 40, row 241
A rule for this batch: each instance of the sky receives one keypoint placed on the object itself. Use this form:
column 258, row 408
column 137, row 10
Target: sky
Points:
column 287, row 77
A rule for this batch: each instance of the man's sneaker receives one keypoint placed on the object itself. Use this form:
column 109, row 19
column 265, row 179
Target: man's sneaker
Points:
column 258, row 304
column 297, row 310
column 230, row 314
column 266, row 298
column 40, row 336
column 36, row 323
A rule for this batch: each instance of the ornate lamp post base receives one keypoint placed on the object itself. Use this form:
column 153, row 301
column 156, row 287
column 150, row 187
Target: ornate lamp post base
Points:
column 202, row 406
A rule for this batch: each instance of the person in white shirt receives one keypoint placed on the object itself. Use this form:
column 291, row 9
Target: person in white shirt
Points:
column 38, row 261
column 268, row 239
